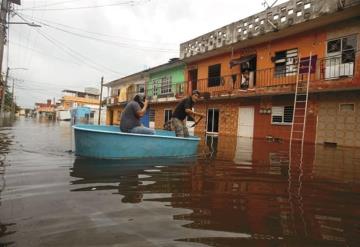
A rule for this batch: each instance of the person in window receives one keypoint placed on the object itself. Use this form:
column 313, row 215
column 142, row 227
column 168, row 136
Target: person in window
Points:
column 183, row 109
column 245, row 79
column 130, row 117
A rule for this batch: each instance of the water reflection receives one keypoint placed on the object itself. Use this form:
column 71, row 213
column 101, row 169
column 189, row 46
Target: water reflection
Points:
column 278, row 195
column 5, row 142
column 250, row 189
column 239, row 192
column 126, row 177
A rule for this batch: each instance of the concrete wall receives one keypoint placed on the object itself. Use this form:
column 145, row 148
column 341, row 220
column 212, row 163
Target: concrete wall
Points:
column 281, row 17
column 336, row 125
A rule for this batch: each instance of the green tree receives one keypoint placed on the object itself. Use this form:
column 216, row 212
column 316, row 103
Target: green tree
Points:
column 8, row 100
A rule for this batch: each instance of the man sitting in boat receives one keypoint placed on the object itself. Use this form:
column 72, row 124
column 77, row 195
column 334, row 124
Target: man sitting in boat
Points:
column 130, row 117
column 183, row 109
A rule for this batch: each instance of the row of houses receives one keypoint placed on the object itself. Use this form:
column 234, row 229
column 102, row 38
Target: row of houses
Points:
column 252, row 70
column 83, row 103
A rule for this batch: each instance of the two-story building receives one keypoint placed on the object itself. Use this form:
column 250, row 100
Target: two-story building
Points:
column 71, row 99
column 45, row 109
column 253, row 68
column 163, row 85
column 121, row 91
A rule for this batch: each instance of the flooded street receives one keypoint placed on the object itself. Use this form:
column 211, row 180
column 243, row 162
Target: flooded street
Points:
column 237, row 192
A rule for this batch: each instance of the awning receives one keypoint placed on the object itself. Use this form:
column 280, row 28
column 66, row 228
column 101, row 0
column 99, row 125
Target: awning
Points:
column 241, row 60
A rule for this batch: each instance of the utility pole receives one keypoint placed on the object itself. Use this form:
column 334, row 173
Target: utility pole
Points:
column 101, row 89
column 3, row 14
column 4, row 11
column 3, row 95
column 13, row 100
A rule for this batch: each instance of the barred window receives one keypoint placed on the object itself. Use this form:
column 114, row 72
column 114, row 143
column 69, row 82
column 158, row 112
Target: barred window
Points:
column 285, row 62
column 152, row 115
column 282, row 114
column 166, row 85
column 155, row 85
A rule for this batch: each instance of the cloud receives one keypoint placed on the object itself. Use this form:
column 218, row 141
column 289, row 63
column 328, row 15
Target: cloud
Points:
column 137, row 37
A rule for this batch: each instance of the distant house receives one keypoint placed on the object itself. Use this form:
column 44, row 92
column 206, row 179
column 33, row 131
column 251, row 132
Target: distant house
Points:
column 71, row 99
column 45, row 109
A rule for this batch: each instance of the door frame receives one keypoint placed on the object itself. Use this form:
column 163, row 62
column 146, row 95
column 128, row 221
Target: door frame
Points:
column 253, row 121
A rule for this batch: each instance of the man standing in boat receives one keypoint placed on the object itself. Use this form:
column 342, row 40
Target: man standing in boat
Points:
column 130, row 117
column 183, row 109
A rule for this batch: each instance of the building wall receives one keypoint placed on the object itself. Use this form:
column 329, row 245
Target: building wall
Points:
column 115, row 111
column 336, row 125
column 305, row 42
column 177, row 77
column 229, row 114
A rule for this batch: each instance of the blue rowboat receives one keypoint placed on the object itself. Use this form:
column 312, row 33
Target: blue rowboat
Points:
column 108, row 142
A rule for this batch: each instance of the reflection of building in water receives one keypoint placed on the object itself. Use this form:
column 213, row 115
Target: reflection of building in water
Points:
column 337, row 164
column 244, row 151
column 6, row 228
column 265, row 201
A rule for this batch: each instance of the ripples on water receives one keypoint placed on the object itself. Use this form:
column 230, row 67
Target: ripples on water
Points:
column 238, row 192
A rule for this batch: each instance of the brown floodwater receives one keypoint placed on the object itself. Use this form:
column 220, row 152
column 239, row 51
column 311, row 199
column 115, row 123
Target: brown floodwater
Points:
column 236, row 192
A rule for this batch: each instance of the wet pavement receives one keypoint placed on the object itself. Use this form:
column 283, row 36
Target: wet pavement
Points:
column 237, row 192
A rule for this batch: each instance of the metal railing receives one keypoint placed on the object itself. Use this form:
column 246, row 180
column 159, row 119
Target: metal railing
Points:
column 153, row 92
column 329, row 68
column 323, row 69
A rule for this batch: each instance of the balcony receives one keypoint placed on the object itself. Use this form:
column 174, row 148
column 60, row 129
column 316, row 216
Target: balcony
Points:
column 327, row 74
column 162, row 92
column 158, row 92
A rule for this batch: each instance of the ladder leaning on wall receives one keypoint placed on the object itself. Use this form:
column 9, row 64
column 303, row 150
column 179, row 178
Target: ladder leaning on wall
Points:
column 300, row 103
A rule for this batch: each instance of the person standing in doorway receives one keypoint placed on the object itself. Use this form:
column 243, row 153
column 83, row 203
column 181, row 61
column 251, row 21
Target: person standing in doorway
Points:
column 130, row 117
column 183, row 109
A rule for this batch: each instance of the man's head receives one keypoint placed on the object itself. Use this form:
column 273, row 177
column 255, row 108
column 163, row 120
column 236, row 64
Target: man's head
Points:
column 139, row 98
column 195, row 95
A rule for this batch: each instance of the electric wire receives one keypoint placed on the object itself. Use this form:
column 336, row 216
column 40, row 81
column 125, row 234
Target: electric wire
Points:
column 43, row 53
column 71, row 52
column 128, row 3
column 122, row 45
column 37, row 19
column 56, row 3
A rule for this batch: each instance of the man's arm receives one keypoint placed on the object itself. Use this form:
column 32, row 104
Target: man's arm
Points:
column 143, row 110
column 192, row 113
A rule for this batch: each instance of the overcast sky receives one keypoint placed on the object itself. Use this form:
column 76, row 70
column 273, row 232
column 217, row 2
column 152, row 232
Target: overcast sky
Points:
column 80, row 41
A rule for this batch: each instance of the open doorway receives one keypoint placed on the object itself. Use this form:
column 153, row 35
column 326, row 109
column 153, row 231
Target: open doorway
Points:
column 212, row 121
column 193, row 77
column 247, row 70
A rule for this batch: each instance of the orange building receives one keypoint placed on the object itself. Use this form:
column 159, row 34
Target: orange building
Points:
column 253, row 68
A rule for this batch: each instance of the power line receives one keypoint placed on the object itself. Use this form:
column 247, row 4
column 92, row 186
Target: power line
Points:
column 122, row 45
column 56, row 3
column 37, row 19
column 49, row 83
column 42, row 53
column 72, row 52
column 128, row 3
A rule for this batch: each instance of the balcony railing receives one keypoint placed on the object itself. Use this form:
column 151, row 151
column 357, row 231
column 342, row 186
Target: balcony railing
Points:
column 322, row 70
column 325, row 71
column 161, row 91
column 154, row 92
